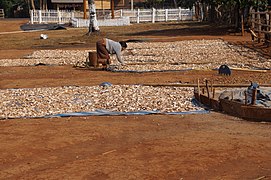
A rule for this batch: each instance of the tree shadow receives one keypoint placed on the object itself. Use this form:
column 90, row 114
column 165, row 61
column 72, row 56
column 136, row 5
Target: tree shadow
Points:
column 185, row 29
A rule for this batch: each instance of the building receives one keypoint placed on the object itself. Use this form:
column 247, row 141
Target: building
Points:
column 78, row 4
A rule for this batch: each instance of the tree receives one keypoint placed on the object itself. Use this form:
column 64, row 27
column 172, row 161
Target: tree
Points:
column 93, row 23
column 32, row 4
column 19, row 6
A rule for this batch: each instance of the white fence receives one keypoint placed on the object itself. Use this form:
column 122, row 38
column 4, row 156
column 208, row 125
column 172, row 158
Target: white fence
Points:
column 124, row 21
column 135, row 16
column 2, row 14
column 158, row 15
column 53, row 16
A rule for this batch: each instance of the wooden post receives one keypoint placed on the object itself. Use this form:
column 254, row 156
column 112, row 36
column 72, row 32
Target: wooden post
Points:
column 211, row 85
column 112, row 9
column 208, row 93
column 242, row 24
column 245, row 97
column 213, row 92
column 198, row 90
column 254, row 96
column 253, row 20
column 85, row 9
column 252, row 30
column 267, row 16
column 259, row 26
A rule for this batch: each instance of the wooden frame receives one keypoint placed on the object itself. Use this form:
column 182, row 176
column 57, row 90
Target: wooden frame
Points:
column 261, row 26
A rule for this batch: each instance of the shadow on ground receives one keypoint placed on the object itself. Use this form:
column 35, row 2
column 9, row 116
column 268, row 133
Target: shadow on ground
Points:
column 185, row 29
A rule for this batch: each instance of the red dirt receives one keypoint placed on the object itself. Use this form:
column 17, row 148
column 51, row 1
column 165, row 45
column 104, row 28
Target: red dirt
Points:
column 206, row 146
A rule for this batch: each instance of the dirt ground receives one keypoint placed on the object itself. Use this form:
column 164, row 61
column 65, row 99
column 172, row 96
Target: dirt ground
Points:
column 206, row 146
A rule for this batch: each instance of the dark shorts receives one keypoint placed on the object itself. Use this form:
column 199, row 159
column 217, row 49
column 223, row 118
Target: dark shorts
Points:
column 102, row 52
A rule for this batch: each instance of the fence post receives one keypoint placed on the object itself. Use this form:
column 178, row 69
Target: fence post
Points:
column 72, row 14
column 267, row 21
column 121, row 13
column 192, row 10
column 59, row 16
column 180, row 13
column 253, row 20
column 166, row 13
column 259, row 26
column 39, row 16
column 153, row 15
column 31, row 17
column 137, row 15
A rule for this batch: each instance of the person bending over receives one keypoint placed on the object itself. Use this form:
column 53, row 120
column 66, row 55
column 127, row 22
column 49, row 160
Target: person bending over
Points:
column 106, row 46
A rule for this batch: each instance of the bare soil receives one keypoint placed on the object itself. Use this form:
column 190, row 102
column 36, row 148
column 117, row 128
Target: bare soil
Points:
column 205, row 146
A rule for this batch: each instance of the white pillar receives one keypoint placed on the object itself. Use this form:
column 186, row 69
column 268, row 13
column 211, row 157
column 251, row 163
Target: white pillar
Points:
column 132, row 4
column 153, row 15
column 180, row 13
column 59, row 16
column 31, row 16
column 137, row 15
column 39, row 16
column 192, row 12
column 166, row 14
column 121, row 13
column 72, row 14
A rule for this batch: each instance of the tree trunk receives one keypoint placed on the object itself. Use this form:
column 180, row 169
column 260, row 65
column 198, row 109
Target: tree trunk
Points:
column 93, row 24
column 175, row 4
column 237, row 16
column 32, row 4
column 44, row 5
column 41, row 3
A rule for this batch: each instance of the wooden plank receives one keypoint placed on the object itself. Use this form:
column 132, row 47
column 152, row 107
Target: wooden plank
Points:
column 246, row 112
column 249, row 70
column 177, row 63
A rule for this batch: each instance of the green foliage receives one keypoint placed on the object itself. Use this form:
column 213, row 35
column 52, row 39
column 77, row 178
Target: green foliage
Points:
column 15, row 8
column 186, row 3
